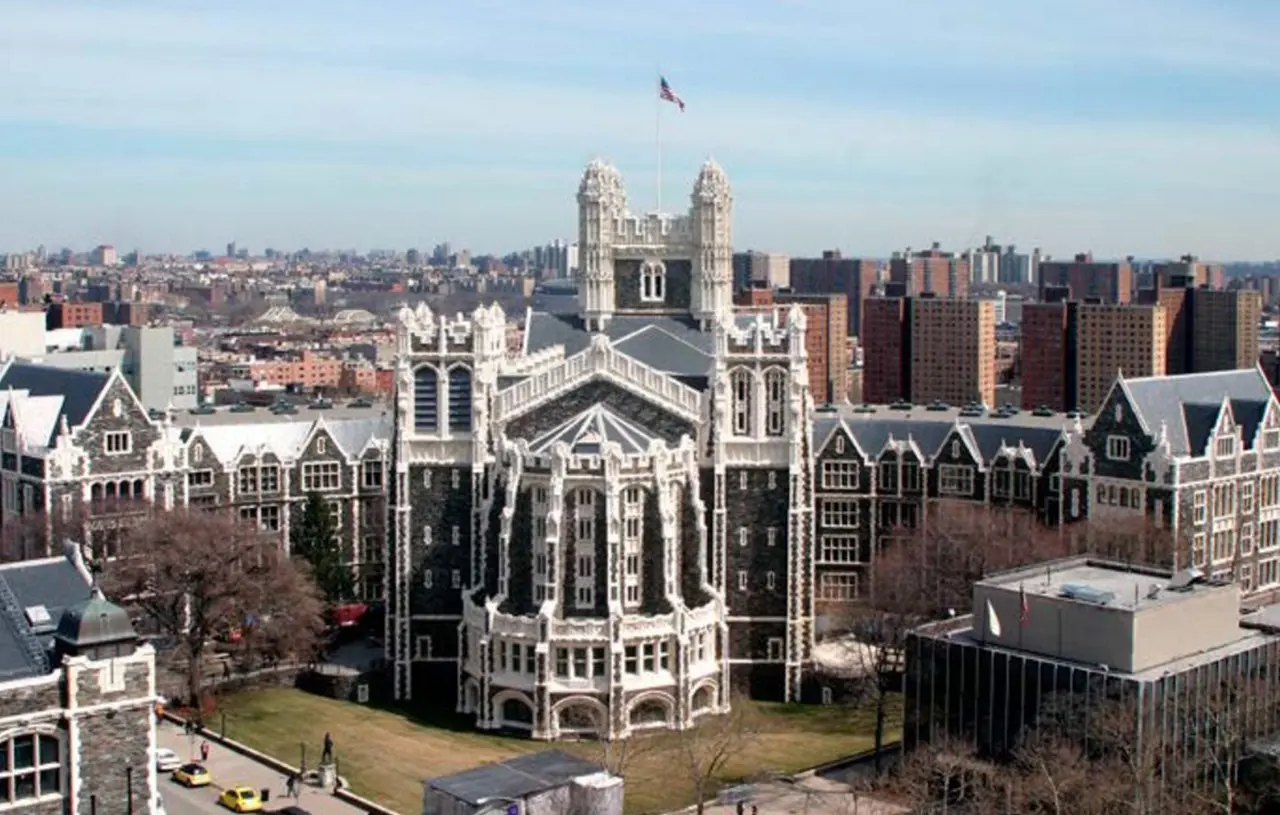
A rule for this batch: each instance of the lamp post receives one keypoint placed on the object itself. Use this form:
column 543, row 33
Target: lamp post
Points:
column 494, row 805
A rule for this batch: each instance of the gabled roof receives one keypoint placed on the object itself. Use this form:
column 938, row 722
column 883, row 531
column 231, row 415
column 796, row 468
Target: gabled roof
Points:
column 670, row 344
column 593, row 427
column 873, row 428
column 78, row 391
column 287, row 439
column 1189, row 405
column 26, row 634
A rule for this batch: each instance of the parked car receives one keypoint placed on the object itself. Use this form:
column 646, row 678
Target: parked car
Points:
column 166, row 760
column 192, row 775
column 241, row 799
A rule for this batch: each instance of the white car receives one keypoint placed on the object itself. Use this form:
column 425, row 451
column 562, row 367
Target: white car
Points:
column 166, row 760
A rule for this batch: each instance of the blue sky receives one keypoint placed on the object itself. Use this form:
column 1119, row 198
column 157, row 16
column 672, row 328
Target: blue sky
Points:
column 1142, row 126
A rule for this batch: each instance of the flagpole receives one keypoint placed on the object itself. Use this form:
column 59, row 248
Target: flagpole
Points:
column 657, row 132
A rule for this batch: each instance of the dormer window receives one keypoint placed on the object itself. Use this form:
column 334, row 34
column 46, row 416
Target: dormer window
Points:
column 1118, row 448
column 653, row 282
column 1226, row 446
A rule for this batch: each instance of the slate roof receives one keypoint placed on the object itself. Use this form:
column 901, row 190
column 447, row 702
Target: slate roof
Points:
column 872, row 427
column 233, row 434
column 516, row 778
column 59, row 391
column 25, row 637
column 670, row 344
column 591, row 428
column 1187, row 406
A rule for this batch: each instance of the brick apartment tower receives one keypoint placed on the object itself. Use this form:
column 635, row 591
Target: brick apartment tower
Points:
column 1087, row 279
column 953, row 351
column 942, row 274
column 1206, row 329
column 886, row 347
column 834, row 274
column 1072, row 351
column 826, row 335
column 926, row 349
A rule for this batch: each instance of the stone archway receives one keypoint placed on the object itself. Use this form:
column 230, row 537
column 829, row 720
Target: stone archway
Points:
column 703, row 698
column 652, row 710
column 580, row 717
column 514, row 710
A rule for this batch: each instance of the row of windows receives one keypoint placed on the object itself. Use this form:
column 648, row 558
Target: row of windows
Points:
column 1221, row 498
column 317, row 476
column 953, row 479
column 426, row 399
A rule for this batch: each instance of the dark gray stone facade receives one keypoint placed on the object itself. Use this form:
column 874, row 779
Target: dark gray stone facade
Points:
column 677, row 295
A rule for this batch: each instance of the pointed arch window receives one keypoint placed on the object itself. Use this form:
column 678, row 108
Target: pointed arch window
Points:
column 741, row 382
column 460, row 399
column 653, row 282
column 426, row 399
column 775, row 393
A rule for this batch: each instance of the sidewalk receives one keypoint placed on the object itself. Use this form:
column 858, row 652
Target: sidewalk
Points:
column 230, row 768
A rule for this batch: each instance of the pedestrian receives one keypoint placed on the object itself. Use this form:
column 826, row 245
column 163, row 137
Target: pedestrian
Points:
column 204, row 751
column 742, row 808
column 754, row 811
column 291, row 786
column 326, row 755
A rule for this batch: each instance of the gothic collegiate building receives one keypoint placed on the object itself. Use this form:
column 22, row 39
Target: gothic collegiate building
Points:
column 611, row 530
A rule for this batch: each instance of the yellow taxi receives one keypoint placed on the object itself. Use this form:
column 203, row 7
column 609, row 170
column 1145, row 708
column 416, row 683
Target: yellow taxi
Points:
column 192, row 775
column 241, row 799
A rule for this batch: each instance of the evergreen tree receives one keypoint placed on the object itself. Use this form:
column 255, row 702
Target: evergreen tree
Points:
column 313, row 537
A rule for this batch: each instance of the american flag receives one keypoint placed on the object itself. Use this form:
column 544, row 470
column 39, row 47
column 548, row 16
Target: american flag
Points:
column 668, row 95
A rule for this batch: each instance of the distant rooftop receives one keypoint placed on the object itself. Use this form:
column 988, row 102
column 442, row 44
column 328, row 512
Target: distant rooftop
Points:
column 264, row 415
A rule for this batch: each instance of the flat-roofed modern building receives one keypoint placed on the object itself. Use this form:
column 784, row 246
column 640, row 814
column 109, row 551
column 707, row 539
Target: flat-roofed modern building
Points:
column 1144, row 652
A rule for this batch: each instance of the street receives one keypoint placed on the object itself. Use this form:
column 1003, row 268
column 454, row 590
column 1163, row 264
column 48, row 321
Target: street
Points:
column 229, row 769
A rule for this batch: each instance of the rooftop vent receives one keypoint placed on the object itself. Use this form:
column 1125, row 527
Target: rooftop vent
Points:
column 1087, row 594
column 825, row 409
column 972, row 411
column 1043, row 410
column 938, row 405
column 901, row 406
column 360, row 403
column 241, row 407
column 1185, row 579
column 1153, row 592
column 865, row 409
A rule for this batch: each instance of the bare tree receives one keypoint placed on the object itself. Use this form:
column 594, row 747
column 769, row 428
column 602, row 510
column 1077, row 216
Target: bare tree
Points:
column 199, row 575
column 706, row 749
column 930, row 570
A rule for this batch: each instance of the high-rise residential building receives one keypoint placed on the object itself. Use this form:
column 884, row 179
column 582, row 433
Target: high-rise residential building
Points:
column 1206, row 329
column 929, row 349
column 104, row 255
column 826, row 334
column 932, row 271
column 1073, row 351
column 1224, row 329
column 1114, row 339
column 953, row 351
column 1047, row 357
column 231, row 249
column 767, row 268
column 1087, row 279
column 886, row 347
column 832, row 274
column 1188, row 272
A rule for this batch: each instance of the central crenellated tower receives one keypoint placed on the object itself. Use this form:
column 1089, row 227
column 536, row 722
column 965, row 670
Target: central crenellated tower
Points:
column 655, row 263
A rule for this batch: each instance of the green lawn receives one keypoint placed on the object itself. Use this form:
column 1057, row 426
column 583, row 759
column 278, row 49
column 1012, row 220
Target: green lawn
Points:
column 385, row 754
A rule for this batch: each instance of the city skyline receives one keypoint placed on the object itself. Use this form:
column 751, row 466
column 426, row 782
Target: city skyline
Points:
column 1078, row 126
